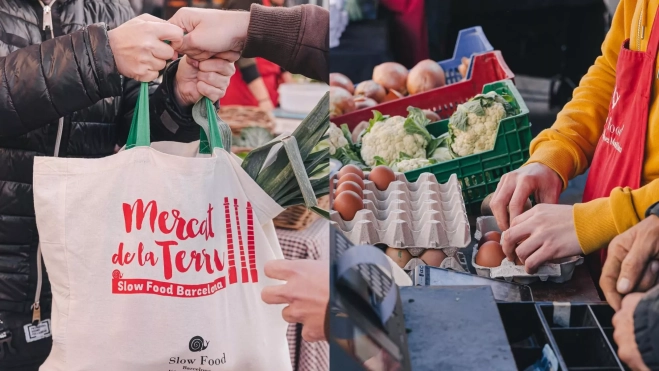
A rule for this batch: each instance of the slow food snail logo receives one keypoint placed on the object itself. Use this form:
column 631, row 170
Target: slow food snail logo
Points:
column 197, row 344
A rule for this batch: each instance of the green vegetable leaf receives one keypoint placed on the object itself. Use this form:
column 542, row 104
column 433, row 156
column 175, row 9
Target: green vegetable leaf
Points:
column 417, row 125
column 346, row 133
column 403, row 156
column 418, row 116
column 379, row 161
column 377, row 117
column 347, row 156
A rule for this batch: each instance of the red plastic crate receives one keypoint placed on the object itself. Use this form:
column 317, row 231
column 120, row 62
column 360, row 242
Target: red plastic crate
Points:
column 487, row 67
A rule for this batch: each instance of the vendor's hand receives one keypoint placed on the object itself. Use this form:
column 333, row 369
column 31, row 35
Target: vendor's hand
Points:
column 138, row 47
column 544, row 233
column 516, row 187
column 306, row 292
column 211, row 31
column 209, row 78
column 631, row 262
column 624, row 335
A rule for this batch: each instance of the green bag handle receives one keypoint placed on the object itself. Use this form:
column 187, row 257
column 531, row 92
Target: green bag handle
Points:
column 211, row 135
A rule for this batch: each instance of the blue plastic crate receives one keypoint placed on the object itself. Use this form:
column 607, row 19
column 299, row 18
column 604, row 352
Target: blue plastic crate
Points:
column 470, row 41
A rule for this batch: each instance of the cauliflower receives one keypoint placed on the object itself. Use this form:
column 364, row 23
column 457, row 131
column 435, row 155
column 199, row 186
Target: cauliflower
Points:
column 442, row 154
column 410, row 164
column 387, row 137
column 336, row 138
column 474, row 125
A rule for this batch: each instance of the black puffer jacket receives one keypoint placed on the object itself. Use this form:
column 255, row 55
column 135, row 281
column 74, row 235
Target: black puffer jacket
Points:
column 72, row 76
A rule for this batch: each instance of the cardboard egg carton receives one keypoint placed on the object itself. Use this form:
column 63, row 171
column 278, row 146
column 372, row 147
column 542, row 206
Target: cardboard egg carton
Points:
column 509, row 271
column 456, row 262
column 412, row 215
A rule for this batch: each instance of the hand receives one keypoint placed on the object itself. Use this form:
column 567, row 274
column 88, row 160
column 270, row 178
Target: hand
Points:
column 623, row 333
column 211, row 31
column 544, row 233
column 516, row 187
column 138, row 47
column 209, row 78
column 631, row 262
column 306, row 292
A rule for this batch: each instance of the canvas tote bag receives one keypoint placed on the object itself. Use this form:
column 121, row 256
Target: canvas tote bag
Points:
column 156, row 260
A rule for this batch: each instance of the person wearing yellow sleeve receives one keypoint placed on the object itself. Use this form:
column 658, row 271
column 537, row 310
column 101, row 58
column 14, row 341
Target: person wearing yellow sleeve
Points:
column 612, row 127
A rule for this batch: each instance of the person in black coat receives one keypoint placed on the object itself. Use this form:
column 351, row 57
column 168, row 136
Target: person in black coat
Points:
column 70, row 73
column 629, row 282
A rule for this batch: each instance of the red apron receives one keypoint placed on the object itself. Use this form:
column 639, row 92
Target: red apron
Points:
column 238, row 92
column 618, row 159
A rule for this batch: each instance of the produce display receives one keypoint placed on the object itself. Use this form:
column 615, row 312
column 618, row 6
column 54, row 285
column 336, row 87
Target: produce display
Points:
column 404, row 143
column 417, row 223
column 390, row 81
column 474, row 125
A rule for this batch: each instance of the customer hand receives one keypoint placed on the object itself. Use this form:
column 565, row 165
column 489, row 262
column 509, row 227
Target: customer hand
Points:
column 211, row 31
column 209, row 78
column 138, row 47
column 624, row 335
column 516, row 187
column 544, row 233
column 631, row 262
column 306, row 292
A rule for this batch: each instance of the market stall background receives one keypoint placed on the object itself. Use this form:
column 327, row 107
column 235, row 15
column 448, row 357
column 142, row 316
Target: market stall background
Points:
column 537, row 40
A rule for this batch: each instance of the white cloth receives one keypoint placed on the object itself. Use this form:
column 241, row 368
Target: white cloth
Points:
column 338, row 21
column 182, row 295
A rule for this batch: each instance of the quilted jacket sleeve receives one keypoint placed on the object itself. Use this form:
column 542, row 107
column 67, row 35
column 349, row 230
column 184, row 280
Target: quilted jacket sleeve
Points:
column 41, row 83
column 168, row 120
column 646, row 328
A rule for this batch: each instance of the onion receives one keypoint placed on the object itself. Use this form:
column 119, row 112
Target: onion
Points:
column 341, row 101
column 342, row 81
column 371, row 89
column 363, row 102
column 392, row 76
column 432, row 116
column 426, row 75
column 393, row 95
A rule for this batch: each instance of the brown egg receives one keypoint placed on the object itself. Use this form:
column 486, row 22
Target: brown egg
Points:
column 490, row 236
column 350, row 177
column 433, row 257
column 351, row 169
column 349, row 186
column 347, row 204
column 399, row 256
column 381, row 176
column 490, row 254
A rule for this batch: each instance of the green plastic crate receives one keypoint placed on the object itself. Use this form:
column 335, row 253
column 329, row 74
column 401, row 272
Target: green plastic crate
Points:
column 479, row 174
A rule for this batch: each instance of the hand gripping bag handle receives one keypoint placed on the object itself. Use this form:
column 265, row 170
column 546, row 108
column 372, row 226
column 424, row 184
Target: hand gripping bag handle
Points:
column 211, row 135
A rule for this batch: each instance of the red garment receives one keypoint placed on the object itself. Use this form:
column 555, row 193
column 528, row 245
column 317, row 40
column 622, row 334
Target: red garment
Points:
column 618, row 159
column 238, row 92
column 410, row 36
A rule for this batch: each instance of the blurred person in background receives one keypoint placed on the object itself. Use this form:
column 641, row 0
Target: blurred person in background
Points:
column 256, row 80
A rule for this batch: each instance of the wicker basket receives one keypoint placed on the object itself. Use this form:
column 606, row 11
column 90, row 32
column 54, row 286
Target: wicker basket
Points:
column 299, row 217
column 240, row 117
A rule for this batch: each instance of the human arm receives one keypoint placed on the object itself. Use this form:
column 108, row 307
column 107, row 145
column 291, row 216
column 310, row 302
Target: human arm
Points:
column 41, row 83
column 250, row 74
column 306, row 292
column 565, row 150
column 646, row 328
column 295, row 38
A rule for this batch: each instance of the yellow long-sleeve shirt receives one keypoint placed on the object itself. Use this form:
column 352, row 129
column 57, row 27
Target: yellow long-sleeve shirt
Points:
column 568, row 146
